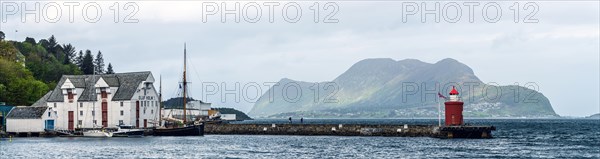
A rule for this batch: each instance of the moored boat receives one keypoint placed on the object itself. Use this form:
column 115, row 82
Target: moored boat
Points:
column 193, row 130
column 97, row 133
column 128, row 131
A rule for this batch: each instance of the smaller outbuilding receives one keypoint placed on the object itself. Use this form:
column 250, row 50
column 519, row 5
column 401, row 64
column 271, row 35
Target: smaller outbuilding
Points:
column 28, row 120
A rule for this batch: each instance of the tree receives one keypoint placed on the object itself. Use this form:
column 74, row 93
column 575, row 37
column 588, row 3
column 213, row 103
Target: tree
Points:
column 17, row 85
column 51, row 43
column 30, row 40
column 44, row 43
column 2, row 36
column 69, row 51
column 79, row 60
column 109, row 70
column 99, row 63
column 87, row 64
column 8, row 51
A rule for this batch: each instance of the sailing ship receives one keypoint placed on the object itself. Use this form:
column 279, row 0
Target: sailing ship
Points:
column 181, row 127
column 95, row 132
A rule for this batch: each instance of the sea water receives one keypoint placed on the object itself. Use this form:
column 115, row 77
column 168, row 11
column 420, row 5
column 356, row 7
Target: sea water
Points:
column 514, row 138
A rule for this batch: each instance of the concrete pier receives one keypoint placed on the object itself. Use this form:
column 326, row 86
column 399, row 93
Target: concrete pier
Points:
column 349, row 130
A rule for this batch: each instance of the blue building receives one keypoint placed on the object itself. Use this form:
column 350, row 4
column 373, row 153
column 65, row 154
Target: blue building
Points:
column 4, row 110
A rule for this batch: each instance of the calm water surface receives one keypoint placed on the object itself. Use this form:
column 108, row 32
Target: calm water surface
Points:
column 513, row 139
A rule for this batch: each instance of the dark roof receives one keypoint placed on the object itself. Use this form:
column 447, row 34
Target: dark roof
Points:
column 26, row 112
column 126, row 82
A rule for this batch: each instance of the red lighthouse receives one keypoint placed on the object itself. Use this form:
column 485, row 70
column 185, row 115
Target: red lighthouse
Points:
column 454, row 108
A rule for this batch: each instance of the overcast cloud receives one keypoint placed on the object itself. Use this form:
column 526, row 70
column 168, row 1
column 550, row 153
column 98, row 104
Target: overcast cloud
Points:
column 560, row 52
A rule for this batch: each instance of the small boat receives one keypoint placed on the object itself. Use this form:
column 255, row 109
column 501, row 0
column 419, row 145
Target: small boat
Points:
column 128, row 131
column 97, row 133
column 193, row 130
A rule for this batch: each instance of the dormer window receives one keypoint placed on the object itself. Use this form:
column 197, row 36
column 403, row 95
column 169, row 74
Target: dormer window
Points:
column 68, row 89
column 70, row 95
column 103, row 92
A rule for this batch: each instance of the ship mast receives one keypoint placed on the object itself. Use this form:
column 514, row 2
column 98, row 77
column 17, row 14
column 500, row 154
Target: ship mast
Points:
column 184, row 84
column 160, row 102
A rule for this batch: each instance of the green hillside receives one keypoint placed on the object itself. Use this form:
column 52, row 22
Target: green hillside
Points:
column 29, row 69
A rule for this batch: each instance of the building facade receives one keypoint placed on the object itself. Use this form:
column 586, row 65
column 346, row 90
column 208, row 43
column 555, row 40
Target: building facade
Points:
column 108, row 100
column 27, row 119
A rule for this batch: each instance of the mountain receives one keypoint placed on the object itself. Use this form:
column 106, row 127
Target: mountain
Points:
column 595, row 116
column 385, row 88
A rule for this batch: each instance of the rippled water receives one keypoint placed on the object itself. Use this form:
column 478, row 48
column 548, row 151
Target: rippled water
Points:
column 513, row 139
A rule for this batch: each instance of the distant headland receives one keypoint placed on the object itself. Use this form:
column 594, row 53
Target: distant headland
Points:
column 386, row 88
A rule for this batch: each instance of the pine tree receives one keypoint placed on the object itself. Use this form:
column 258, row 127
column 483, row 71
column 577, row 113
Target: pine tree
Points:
column 51, row 43
column 87, row 64
column 79, row 60
column 99, row 63
column 70, row 52
column 109, row 69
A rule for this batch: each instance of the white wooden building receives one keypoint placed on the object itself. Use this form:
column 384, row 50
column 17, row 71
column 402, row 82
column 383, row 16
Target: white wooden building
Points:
column 108, row 100
column 30, row 119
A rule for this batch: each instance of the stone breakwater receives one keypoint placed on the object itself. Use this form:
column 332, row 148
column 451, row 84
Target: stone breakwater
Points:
column 321, row 129
column 351, row 130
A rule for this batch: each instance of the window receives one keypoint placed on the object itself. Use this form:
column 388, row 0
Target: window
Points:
column 121, row 104
column 93, row 113
column 121, row 122
column 121, row 113
column 152, row 111
column 54, row 105
column 103, row 93
column 144, row 111
column 94, row 122
column 49, row 113
column 80, row 113
column 81, row 105
column 70, row 95
column 79, row 122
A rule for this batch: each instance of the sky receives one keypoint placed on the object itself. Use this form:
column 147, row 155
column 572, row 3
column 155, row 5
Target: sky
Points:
column 554, row 44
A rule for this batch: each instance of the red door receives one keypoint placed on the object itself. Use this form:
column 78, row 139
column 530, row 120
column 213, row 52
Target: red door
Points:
column 137, row 114
column 145, row 123
column 71, row 121
column 105, row 114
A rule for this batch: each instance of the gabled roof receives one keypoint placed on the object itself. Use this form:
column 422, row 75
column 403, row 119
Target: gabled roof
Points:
column 27, row 112
column 127, row 84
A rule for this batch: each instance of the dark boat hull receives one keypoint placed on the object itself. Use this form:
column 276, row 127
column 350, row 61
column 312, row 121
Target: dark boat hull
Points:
column 195, row 130
column 139, row 133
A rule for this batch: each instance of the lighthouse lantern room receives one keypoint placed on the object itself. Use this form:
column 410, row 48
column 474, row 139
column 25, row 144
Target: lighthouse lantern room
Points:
column 454, row 108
